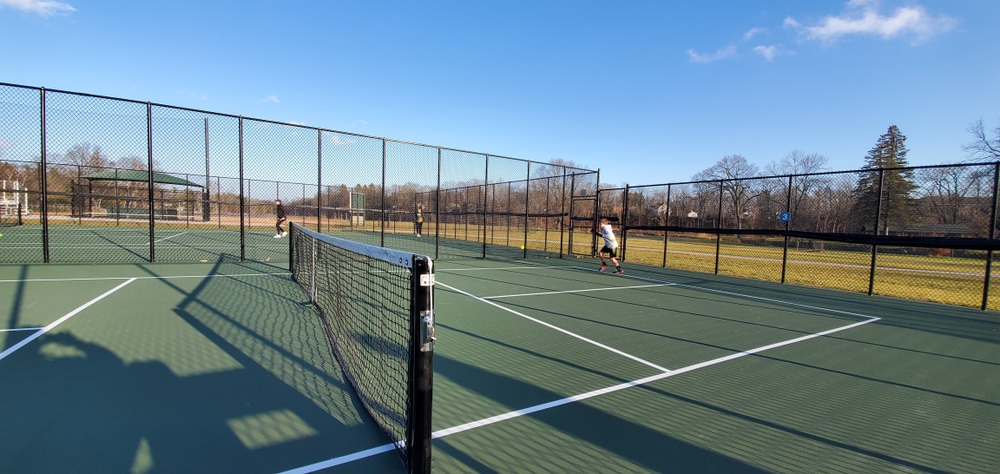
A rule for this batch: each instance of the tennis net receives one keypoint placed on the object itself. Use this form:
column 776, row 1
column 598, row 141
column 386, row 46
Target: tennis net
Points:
column 376, row 305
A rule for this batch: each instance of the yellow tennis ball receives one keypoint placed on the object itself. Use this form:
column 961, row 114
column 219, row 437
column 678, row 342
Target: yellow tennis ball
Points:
column 522, row 247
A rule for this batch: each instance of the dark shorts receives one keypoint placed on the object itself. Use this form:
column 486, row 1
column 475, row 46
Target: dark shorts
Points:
column 613, row 253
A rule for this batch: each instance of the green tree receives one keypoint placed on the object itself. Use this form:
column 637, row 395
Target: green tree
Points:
column 883, row 192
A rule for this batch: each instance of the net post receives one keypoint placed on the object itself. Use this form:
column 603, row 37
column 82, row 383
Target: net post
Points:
column 292, row 234
column 422, row 365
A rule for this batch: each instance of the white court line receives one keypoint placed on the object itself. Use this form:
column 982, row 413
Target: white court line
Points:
column 19, row 329
column 742, row 295
column 580, row 291
column 234, row 275
column 557, row 328
column 665, row 373
column 564, row 401
column 449, row 270
column 172, row 236
column 59, row 321
column 341, row 460
column 642, row 381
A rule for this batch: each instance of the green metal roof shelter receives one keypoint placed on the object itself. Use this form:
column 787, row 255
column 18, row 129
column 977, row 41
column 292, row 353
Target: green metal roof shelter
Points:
column 83, row 195
column 139, row 176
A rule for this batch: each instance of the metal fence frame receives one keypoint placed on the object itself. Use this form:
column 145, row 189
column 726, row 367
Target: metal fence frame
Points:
column 512, row 196
column 386, row 171
column 967, row 221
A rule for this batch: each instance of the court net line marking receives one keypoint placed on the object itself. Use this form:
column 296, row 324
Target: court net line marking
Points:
column 531, row 267
column 171, row 236
column 575, row 398
column 557, row 328
column 642, row 381
column 61, row 320
column 561, row 292
column 743, row 295
column 234, row 275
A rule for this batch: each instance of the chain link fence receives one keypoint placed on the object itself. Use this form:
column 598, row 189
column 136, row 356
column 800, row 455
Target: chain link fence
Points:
column 91, row 179
column 925, row 233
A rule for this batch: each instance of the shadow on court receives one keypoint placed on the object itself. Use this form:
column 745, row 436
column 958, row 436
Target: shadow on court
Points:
column 72, row 403
column 597, row 434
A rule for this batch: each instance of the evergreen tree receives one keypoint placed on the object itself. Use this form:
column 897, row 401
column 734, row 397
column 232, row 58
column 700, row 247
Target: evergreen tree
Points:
column 882, row 174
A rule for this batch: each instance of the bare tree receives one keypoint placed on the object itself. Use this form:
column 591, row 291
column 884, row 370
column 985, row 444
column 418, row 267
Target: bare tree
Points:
column 797, row 162
column 803, row 166
column 87, row 155
column 983, row 147
column 731, row 171
column 958, row 195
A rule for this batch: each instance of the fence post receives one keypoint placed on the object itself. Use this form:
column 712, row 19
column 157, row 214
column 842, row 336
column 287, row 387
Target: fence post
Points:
column 878, row 218
column 437, row 211
column 718, row 227
column 151, row 182
column 597, row 216
column 206, row 201
column 992, row 234
column 545, row 220
column 563, row 220
column 527, row 192
column 625, row 212
column 510, row 184
column 486, row 197
column 319, row 181
column 666, row 222
column 243, row 230
column 788, row 209
column 43, row 176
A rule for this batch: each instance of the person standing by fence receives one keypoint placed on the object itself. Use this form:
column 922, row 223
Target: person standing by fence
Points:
column 279, row 214
column 419, row 219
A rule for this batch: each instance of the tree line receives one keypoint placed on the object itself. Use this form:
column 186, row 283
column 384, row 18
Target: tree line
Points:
column 885, row 196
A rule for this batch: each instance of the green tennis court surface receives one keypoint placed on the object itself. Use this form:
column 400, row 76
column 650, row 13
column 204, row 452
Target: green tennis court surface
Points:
column 540, row 366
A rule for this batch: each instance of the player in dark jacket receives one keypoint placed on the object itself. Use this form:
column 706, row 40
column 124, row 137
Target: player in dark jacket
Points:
column 279, row 213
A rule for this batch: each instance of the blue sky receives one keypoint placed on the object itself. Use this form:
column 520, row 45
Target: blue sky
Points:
column 647, row 91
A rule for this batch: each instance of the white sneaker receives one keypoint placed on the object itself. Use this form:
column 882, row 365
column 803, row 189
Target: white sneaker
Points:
column 277, row 236
column 284, row 234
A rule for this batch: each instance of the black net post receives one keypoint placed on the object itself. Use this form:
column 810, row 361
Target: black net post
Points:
column 422, row 368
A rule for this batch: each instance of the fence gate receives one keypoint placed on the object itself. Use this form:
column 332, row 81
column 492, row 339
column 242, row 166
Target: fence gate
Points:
column 582, row 222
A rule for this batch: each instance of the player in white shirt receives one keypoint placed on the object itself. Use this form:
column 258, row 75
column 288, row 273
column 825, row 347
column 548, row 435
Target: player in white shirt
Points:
column 610, row 247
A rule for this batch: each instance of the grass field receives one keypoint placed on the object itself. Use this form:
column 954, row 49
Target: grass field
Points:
column 938, row 277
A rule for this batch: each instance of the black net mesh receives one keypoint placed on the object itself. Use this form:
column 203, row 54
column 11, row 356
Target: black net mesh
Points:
column 365, row 297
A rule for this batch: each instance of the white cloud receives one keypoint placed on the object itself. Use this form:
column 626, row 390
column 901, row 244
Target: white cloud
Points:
column 342, row 140
column 753, row 32
column 724, row 53
column 272, row 99
column 768, row 52
column 45, row 8
column 862, row 17
column 190, row 94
